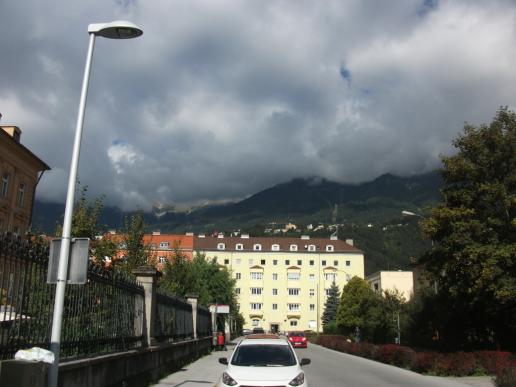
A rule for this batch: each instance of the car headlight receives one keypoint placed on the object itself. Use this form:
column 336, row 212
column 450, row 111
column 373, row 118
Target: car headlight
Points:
column 298, row 380
column 229, row 381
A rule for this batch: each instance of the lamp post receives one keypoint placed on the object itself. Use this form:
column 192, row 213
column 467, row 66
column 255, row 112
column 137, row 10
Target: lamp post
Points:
column 112, row 30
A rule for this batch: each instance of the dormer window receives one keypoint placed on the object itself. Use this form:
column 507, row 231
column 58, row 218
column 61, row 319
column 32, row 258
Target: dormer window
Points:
column 329, row 248
column 311, row 247
column 275, row 248
column 239, row 246
column 257, row 247
column 293, row 247
column 221, row 246
column 163, row 245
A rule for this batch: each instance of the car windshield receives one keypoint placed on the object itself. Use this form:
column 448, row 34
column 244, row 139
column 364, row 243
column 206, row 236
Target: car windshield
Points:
column 263, row 355
column 297, row 334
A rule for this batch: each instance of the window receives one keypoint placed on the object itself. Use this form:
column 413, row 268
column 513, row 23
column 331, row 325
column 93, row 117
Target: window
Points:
column 323, row 262
column 226, row 262
column 256, row 275
column 287, row 261
column 237, row 290
column 238, row 261
column 293, row 323
column 329, row 247
column 312, row 277
column 330, row 276
column 312, row 306
column 311, row 292
column 293, row 247
column 5, row 184
column 312, row 262
column 257, row 247
column 274, row 276
column 256, row 291
column 293, row 307
column 256, row 306
column 239, row 246
column 163, row 244
column 299, row 262
column 250, row 262
column 327, row 291
column 21, row 194
column 376, row 288
column 274, row 262
column 293, row 276
column 335, row 263
column 275, row 248
column 311, row 247
column 348, row 263
column 162, row 259
column 221, row 246
column 293, row 291
column 262, row 261
column 274, row 306
column 255, row 322
column 274, row 292
column 238, row 276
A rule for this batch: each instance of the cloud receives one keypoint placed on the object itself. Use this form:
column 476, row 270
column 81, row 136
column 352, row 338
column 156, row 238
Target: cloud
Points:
column 220, row 99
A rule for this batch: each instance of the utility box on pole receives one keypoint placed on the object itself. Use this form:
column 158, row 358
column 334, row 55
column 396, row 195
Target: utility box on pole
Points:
column 77, row 262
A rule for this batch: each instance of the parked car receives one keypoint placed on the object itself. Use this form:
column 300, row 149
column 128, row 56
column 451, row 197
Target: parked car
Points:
column 258, row 330
column 246, row 331
column 264, row 360
column 297, row 339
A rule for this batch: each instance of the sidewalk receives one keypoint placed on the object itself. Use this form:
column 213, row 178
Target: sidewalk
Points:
column 475, row 381
column 189, row 375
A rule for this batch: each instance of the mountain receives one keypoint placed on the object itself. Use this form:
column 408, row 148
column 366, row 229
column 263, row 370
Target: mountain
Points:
column 299, row 201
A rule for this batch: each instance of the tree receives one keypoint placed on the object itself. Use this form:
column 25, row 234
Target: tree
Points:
column 473, row 258
column 360, row 307
column 136, row 252
column 331, row 305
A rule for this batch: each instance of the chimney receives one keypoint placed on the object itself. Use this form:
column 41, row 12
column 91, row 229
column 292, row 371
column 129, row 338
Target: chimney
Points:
column 202, row 236
column 349, row 242
column 156, row 232
column 244, row 236
column 189, row 234
column 112, row 232
column 220, row 236
column 13, row 131
column 334, row 238
column 305, row 237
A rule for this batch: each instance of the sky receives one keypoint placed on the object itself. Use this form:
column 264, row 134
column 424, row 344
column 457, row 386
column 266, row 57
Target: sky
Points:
column 220, row 99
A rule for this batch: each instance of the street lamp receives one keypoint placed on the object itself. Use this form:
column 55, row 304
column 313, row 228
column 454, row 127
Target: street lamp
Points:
column 112, row 30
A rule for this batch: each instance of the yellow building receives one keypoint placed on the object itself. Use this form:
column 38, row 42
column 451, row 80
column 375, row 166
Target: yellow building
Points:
column 282, row 282
column 402, row 281
column 19, row 173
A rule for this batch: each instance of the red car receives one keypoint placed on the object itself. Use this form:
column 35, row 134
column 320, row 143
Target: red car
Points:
column 297, row 339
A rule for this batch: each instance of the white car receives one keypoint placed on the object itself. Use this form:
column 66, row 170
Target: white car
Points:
column 263, row 360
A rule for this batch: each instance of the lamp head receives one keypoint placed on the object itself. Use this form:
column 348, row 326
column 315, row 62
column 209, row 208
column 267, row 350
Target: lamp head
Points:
column 118, row 29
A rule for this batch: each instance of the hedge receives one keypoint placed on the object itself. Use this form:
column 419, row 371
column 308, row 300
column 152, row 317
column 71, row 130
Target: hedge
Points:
column 499, row 363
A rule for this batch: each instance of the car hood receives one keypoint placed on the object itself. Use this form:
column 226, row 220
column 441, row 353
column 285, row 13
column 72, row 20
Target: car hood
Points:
column 243, row 374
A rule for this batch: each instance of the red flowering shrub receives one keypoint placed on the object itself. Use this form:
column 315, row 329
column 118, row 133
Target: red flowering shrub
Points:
column 493, row 361
column 506, row 377
column 396, row 355
column 368, row 350
column 424, row 362
column 462, row 363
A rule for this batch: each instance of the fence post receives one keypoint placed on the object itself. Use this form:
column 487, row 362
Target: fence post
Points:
column 192, row 299
column 148, row 276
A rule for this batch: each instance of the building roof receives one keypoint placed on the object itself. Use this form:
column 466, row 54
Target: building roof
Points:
column 211, row 243
column 183, row 242
column 4, row 136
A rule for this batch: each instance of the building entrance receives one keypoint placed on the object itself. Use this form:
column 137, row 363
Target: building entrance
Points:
column 274, row 328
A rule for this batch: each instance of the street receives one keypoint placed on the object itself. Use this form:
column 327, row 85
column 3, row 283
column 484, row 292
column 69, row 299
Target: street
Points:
column 328, row 369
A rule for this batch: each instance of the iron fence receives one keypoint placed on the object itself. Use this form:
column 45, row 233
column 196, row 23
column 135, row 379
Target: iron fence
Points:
column 204, row 327
column 104, row 315
column 173, row 318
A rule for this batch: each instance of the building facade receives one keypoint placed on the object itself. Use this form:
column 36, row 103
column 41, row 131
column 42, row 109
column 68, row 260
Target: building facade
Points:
column 282, row 283
column 403, row 281
column 20, row 171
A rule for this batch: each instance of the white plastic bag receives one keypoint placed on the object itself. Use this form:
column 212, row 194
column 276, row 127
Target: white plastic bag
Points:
column 35, row 354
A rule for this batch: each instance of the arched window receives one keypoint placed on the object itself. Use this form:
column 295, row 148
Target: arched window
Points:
column 257, row 247
column 239, row 246
column 275, row 247
column 329, row 247
column 221, row 246
column 293, row 247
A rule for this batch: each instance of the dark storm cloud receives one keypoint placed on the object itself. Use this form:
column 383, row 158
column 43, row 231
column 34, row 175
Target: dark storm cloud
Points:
column 220, row 99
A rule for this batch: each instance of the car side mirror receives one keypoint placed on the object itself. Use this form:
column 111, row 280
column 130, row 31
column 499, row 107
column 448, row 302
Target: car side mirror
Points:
column 305, row 362
column 223, row 360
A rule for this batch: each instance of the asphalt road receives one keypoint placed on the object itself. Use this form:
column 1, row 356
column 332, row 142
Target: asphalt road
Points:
column 328, row 369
